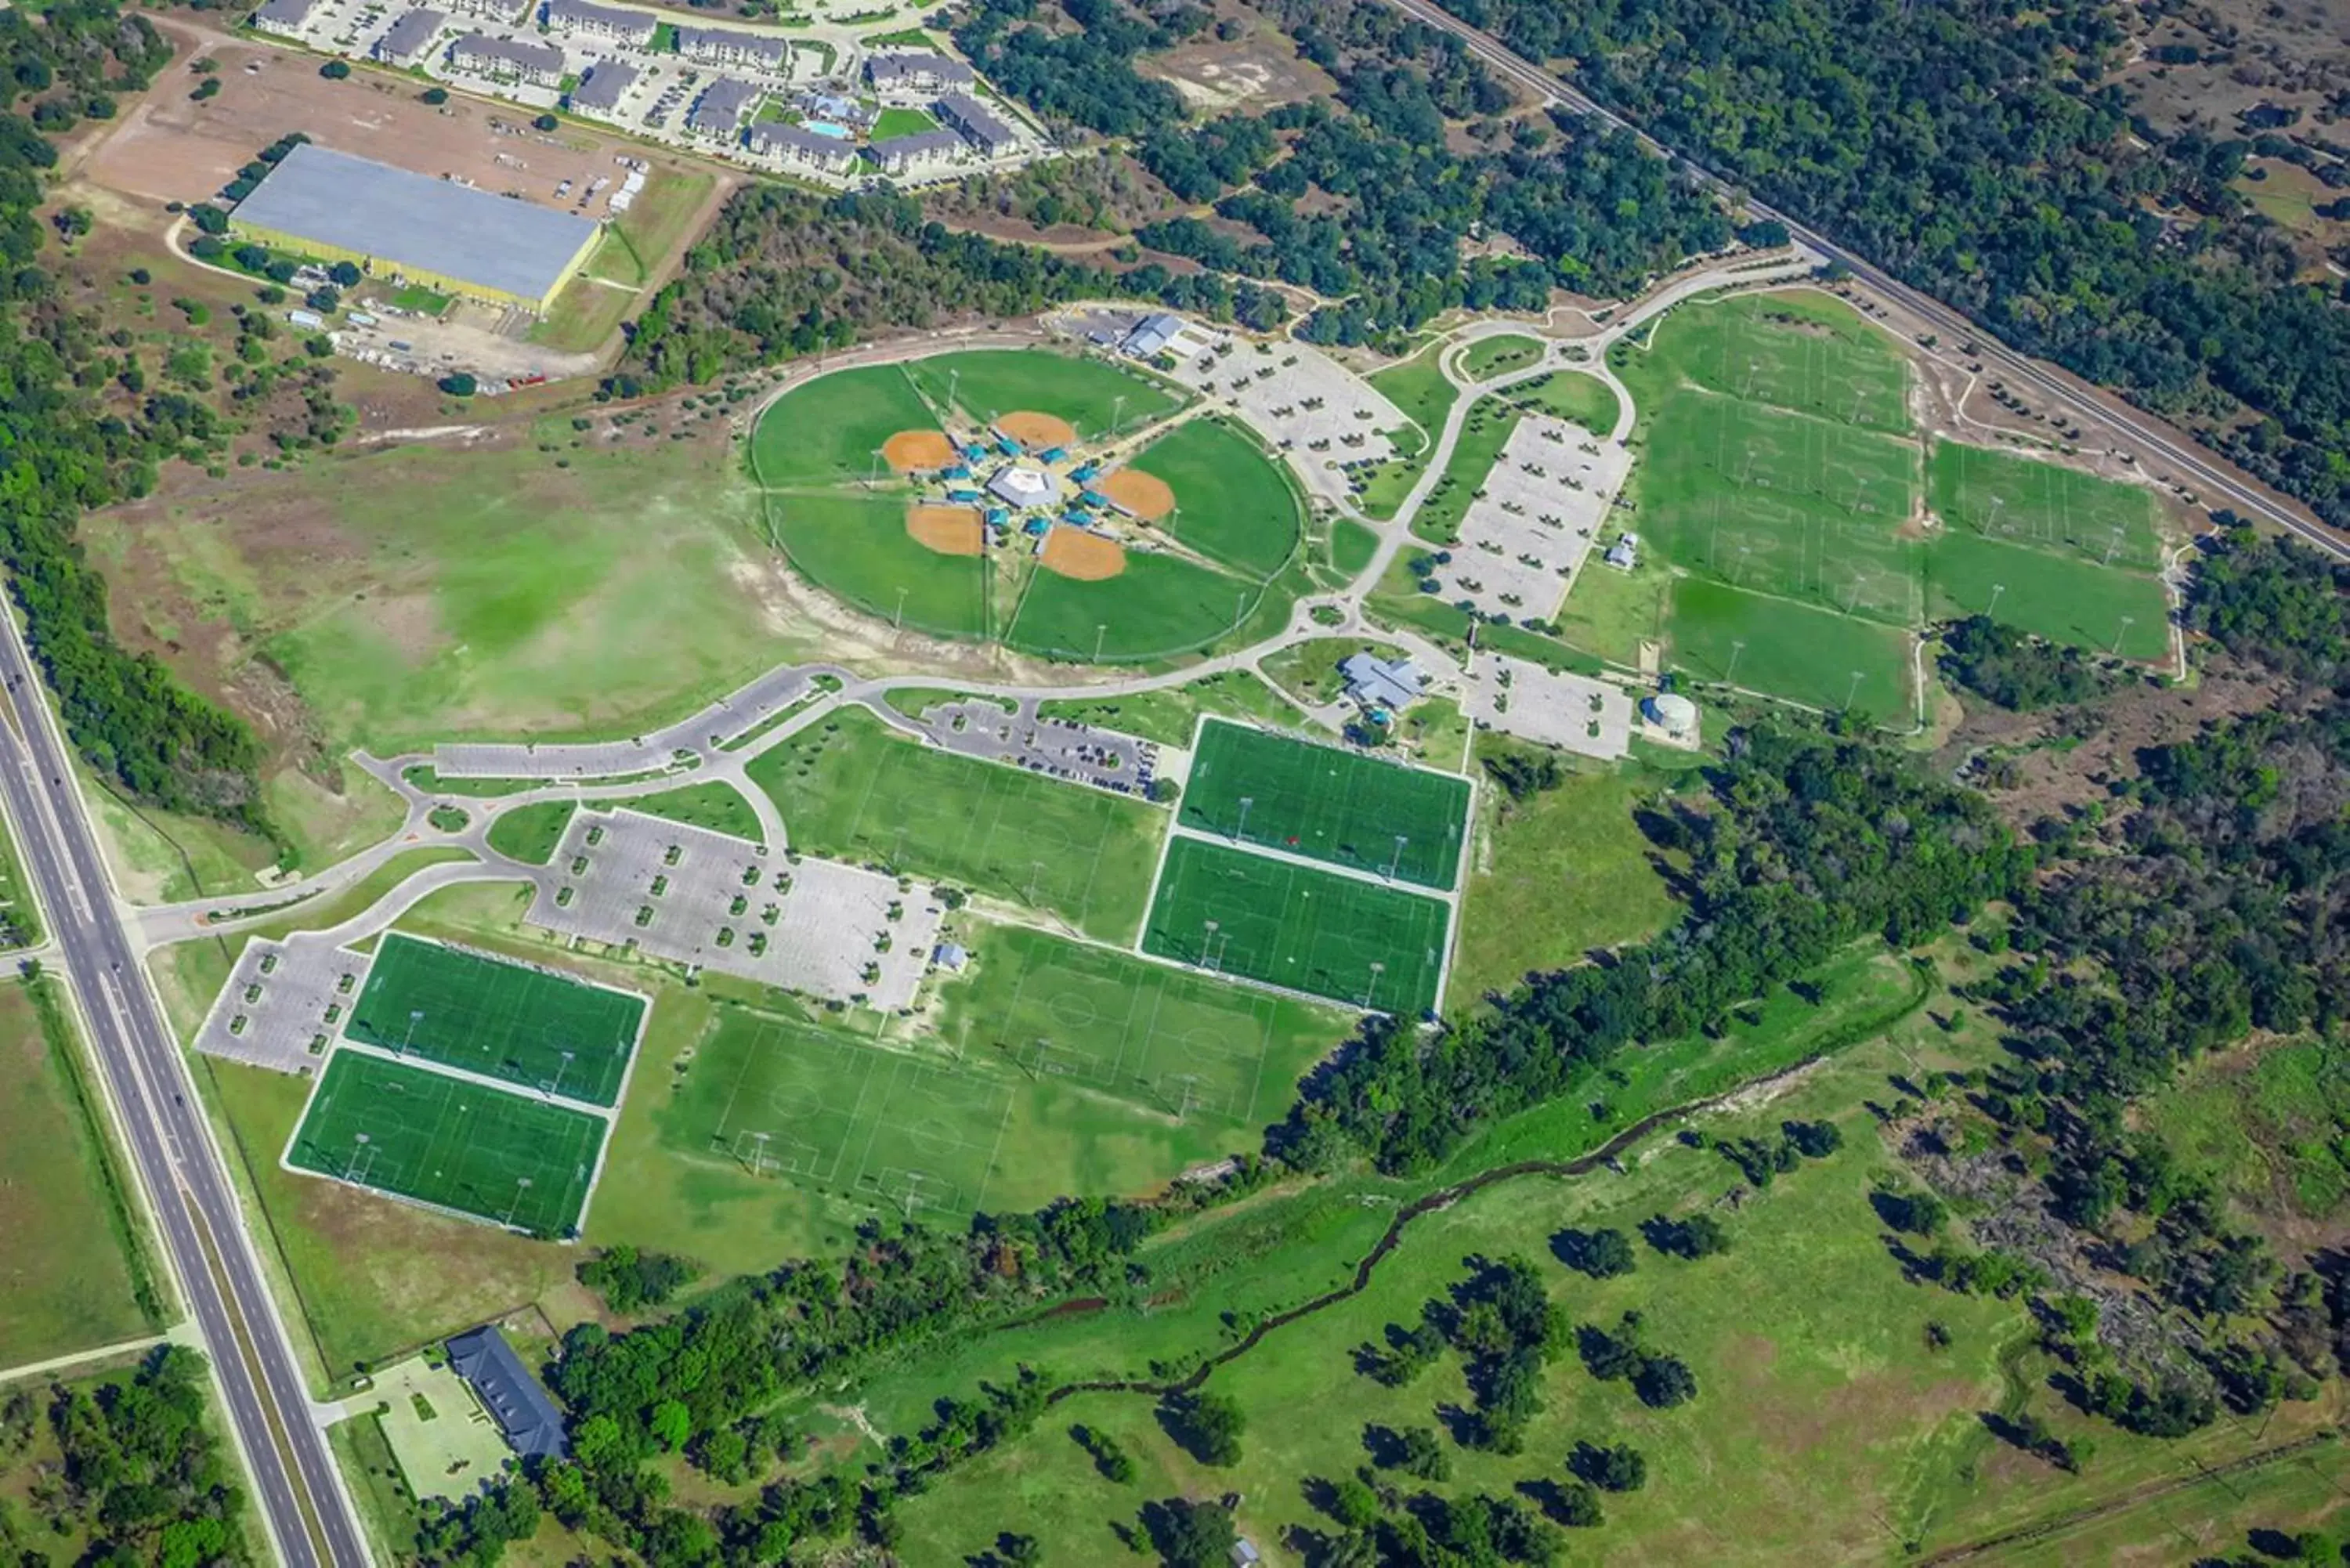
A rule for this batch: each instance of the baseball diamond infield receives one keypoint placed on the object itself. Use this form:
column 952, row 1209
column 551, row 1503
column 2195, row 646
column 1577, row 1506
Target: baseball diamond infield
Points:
column 1087, row 557
column 910, row 451
column 1145, row 495
column 949, row 530
column 1035, row 431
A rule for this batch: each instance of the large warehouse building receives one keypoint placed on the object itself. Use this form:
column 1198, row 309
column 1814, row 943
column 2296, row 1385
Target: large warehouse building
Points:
column 333, row 207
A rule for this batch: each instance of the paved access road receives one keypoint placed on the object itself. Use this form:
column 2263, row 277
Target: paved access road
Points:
column 298, row 1487
column 2155, row 437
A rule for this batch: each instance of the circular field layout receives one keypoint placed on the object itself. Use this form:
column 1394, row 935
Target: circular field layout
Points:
column 1067, row 507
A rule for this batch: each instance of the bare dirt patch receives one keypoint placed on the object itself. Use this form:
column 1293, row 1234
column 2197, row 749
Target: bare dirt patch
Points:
column 910, row 451
column 1146, row 495
column 1260, row 69
column 949, row 530
column 1087, row 557
column 1034, row 431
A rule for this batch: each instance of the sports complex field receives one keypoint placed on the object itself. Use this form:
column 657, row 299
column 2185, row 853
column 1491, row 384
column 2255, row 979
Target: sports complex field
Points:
column 1328, row 805
column 416, row 1133
column 852, row 787
column 1091, row 394
column 1238, row 912
column 1227, row 511
column 1164, row 1039
column 504, row 1021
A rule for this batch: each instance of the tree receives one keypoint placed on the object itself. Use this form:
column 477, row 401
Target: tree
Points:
column 1602, row 1254
column 346, row 275
column 1663, row 1382
column 1617, row 1467
column 1206, row 1425
column 460, row 385
column 434, row 95
column 546, row 122
column 1191, row 1534
column 335, row 70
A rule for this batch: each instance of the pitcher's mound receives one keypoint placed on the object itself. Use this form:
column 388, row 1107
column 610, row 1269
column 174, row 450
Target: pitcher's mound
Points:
column 1145, row 495
column 1036, row 432
column 910, row 451
column 949, row 530
column 1087, row 557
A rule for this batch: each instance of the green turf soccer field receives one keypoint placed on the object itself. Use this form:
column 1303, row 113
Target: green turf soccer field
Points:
column 989, row 383
column 1238, row 912
column 834, row 1116
column 828, row 430
column 506, row 1021
column 1791, row 351
column 1327, row 804
column 2014, row 499
column 852, row 787
column 1167, row 1040
column 423, row 1135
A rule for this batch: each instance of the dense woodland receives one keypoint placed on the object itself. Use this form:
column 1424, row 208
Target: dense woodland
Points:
column 1976, row 150
column 66, row 454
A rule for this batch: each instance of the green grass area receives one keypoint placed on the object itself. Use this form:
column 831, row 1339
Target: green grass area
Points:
column 1308, row 669
column 415, row 297
column 718, row 806
column 1234, row 912
column 827, row 431
column 989, row 383
column 2270, row 1126
column 1352, row 547
column 853, row 788
column 856, row 545
column 534, row 1027
column 1482, row 435
column 1169, row 715
column 1417, row 388
column 1158, row 607
column 1487, row 358
column 417, row 1134
column 903, row 38
column 74, row 1275
column 1564, row 872
column 1170, row 1042
column 1343, row 808
column 1233, row 503
column 1787, row 650
column 2059, row 596
column 1783, row 503
column 2016, row 500
column 1611, row 612
column 1800, row 351
column 530, row 833
column 1540, row 649
column 901, row 122
column 1571, row 395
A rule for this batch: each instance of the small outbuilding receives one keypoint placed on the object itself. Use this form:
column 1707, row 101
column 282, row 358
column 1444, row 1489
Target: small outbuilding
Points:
column 1670, row 712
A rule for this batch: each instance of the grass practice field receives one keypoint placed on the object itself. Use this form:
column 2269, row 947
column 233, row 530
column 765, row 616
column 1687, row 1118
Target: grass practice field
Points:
column 2059, row 596
column 1794, row 650
column 1791, row 351
column 1234, row 504
column 1234, row 911
column 857, row 546
column 827, row 431
column 2017, row 500
column 1327, row 804
column 410, row 1131
column 501, row 1020
column 1170, row 1042
column 851, row 787
column 990, row 382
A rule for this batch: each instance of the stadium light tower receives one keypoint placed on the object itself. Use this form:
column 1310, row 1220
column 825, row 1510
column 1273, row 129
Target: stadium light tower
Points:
column 1397, row 860
column 2120, row 634
column 1208, row 945
column 521, row 1185
column 414, row 1016
column 556, row 1088
column 1996, row 589
column 1117, row 414
column 1852, row 691
column 1377, row 968
column 1241, row 831
column 898, row 616
column 1737, row 647
column 358, row 1148
column 1101, row 629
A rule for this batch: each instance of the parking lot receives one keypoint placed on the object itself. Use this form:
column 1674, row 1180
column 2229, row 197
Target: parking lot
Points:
column 283, row 1005
column 1536, row 517
column 1301, row 400
column 1576, row 714
column 1081, row 754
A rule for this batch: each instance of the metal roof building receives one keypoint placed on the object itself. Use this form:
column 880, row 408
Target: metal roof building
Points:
column 726, row 46
column 604, row 21
column 406, row 41
column 532, row 1425
column 332, row 206
column 921, row 71
column 1380, row 683
column 284, row 16
column 599, row 89
column 718, row 112
column 540, row 63
column 981, row 128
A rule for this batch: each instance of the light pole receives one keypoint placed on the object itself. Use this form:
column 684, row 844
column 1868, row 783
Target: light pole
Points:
column 556, row 1088
column 1377, row 970
column 1737, row 647
column 1241, row 831
column 1117, row 414
column 1101, row 629
column 1401, row 839
column 1852, row 691
column 404, row 1040
column 1996, row 589
column 358, row 1148
column 1206, row 946
column 521, row 1185
column 953, row 377
column 898, row 616
column 2119, row 635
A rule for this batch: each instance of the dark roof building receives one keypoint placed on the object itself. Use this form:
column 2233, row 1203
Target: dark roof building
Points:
column 284, row 16
column 917, row 72
column 540, row 63
column 901, row 153
column 532, row 1425
column 718, row 113
column 725, row 46
column 601, row 86
column 602, row 21
column 772, row 139
column 978, row 125
column 407, row 40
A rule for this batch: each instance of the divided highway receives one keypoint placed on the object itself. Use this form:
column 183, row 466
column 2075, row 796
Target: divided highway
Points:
column 308, row 1513
column 2212, row 478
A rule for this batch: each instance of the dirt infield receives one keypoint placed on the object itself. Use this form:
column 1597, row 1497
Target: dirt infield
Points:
column 949, row 530
column 910, row 451
column 1035, row 432
column 1144, row 494
column 1087, row 557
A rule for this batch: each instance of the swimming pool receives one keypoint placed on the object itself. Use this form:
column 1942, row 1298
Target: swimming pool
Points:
column 825, row 128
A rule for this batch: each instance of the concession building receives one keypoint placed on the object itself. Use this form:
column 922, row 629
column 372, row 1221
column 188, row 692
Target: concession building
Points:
column 331, row 206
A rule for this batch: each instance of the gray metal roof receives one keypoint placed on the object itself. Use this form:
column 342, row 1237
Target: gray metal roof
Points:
column 602, row 85
column 975, row 120
column 722, row 105
column 724, row 43
column 406, row 38
column 592, row 17
column 543, row 59
column 285, row 14
column 532, row 1424
column 921, row 143
column 411, row 220
column 826, row 149
column 1370, row 679
column 882, row 70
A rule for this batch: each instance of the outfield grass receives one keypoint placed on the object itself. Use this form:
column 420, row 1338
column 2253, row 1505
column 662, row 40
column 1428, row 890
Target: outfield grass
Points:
column 1340, row 806
column 989, row 383
column 1358, row 942
column 65, row 1274
column 1799, row 351
column 2020, row 501
column 2059, row 596
column 717, row 806
column 1487, row 358
column 418, row 1134
column 1159, row 606
column 853, row 788
column 530, row 833
column 1172, row 1042
column 856, row 545
column 1234, row 504
column 1566, row 871
column 1571, row 395
column 827, row 431
column 1787, row 650
column 500, row 1020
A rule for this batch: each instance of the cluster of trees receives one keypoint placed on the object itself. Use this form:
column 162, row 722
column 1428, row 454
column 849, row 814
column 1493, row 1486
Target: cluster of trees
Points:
column 1083, row 76
column 141, row 1471
column 67, row 452
column 1624, row 1355
column 2018, row 671
column 629, row 1280
column 2275, row 601
column 1981, row 154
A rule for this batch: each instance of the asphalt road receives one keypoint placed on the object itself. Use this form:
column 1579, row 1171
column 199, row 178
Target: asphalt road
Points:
column 2212, row 478
column 195, row 1205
